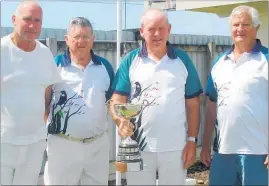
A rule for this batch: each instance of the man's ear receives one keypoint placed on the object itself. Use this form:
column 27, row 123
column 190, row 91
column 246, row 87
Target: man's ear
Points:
column 13, row 19
column 93, row 38
column 257, row 28
column 169, row 28
column 66, row 39
column 141, row 32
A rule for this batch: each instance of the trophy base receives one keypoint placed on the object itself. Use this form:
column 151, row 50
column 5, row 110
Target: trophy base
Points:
column 129, row 166
column 129, row 157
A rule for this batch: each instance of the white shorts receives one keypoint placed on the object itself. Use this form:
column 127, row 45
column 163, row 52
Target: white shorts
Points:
column 71, row 162
column 169, row 166
column 21, row 164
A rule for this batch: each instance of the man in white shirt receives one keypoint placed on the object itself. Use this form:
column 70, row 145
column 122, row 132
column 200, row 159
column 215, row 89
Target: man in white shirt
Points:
column 238, row 93
column 27, row 70
column 165, row 80
column 78, row 144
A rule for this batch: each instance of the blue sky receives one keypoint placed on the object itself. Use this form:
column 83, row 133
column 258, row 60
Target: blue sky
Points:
column 103, row 15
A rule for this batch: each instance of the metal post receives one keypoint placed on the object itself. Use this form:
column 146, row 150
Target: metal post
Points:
column 119, row 32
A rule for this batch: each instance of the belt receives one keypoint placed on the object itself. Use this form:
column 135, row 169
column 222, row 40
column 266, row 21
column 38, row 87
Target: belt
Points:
column 82, row 140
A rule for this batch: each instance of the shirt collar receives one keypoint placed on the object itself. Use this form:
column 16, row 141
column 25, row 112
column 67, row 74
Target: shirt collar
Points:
column 67, row 60
column 256, row 49
column 170, row 51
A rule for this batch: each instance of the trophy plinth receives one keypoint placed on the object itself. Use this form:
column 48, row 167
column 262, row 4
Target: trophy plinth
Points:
column 128, row 157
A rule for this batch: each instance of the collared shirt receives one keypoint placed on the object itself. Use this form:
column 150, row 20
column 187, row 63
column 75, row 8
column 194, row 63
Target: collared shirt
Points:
column 162, row 88
column 78, row 107
column 241, row 92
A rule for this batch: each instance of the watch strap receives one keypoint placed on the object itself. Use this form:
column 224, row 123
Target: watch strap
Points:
column 193, row 139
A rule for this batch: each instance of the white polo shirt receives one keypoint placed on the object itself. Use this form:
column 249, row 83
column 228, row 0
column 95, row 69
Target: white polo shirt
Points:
column 241, row 92
column 24, row 78
column 78, row 107
column 162, row 88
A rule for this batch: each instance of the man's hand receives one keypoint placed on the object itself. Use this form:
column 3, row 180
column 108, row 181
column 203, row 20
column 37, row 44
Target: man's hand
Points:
column 205, row 156
column 266, row 162
column 189, row 154
column 125, row 128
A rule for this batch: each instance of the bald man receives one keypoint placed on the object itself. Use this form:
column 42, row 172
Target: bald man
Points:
column 27, row 70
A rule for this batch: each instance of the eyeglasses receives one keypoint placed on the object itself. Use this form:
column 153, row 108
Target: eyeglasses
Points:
column 85, row 37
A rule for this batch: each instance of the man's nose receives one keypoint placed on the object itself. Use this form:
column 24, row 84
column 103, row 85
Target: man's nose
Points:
column 31, row 25
column 241, row 27
column 157, row 32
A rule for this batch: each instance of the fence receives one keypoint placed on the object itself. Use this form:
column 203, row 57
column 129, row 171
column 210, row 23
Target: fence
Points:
column 201, row 49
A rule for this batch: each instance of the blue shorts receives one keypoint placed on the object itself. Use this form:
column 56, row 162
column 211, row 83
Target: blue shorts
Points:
column 238, row 169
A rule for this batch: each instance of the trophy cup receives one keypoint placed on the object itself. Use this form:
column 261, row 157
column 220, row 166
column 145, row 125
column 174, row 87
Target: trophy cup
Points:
column 128, row 157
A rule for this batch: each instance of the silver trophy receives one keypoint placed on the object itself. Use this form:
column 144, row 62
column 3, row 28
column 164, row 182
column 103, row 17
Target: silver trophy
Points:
column 128, row 149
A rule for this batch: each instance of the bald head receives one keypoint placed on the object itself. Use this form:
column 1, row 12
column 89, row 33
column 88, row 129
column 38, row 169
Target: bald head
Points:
column 29, row 4
column 155, row 30
column 153, row 14
column 27, row 20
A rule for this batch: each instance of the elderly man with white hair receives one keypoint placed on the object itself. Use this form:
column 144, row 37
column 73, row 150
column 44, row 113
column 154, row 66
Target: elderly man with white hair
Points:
column 238, row 88
column 164, row 79
column 27, row 71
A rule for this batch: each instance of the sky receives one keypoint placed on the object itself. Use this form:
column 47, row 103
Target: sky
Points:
column 103, row 15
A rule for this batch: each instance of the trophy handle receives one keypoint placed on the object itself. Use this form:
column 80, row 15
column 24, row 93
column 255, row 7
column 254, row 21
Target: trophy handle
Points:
column 135, row 125
column 108, row 102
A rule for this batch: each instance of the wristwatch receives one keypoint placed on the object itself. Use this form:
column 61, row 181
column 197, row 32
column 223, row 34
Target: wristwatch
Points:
column 193, row 139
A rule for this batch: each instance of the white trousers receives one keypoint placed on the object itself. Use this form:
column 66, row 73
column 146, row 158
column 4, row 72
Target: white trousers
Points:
column 169, row 166
column 73, row 163
column 21, row 164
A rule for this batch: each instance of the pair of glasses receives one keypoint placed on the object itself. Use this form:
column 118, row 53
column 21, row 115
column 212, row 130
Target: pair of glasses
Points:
column 84, row 38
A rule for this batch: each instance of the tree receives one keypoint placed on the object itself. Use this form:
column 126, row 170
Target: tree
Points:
column 54, row 126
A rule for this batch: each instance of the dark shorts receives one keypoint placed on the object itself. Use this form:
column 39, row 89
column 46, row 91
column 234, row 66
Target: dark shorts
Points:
column 237, row 169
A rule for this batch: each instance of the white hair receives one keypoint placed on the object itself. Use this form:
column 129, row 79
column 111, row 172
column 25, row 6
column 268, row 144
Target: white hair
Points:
column 151, row 10
column 25, row 3
column 249, row 10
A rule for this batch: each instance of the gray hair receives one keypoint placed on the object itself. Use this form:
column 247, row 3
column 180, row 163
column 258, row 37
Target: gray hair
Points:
column 81, row 22
column 150, row 10
column 25, row 3
column 249, row 10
